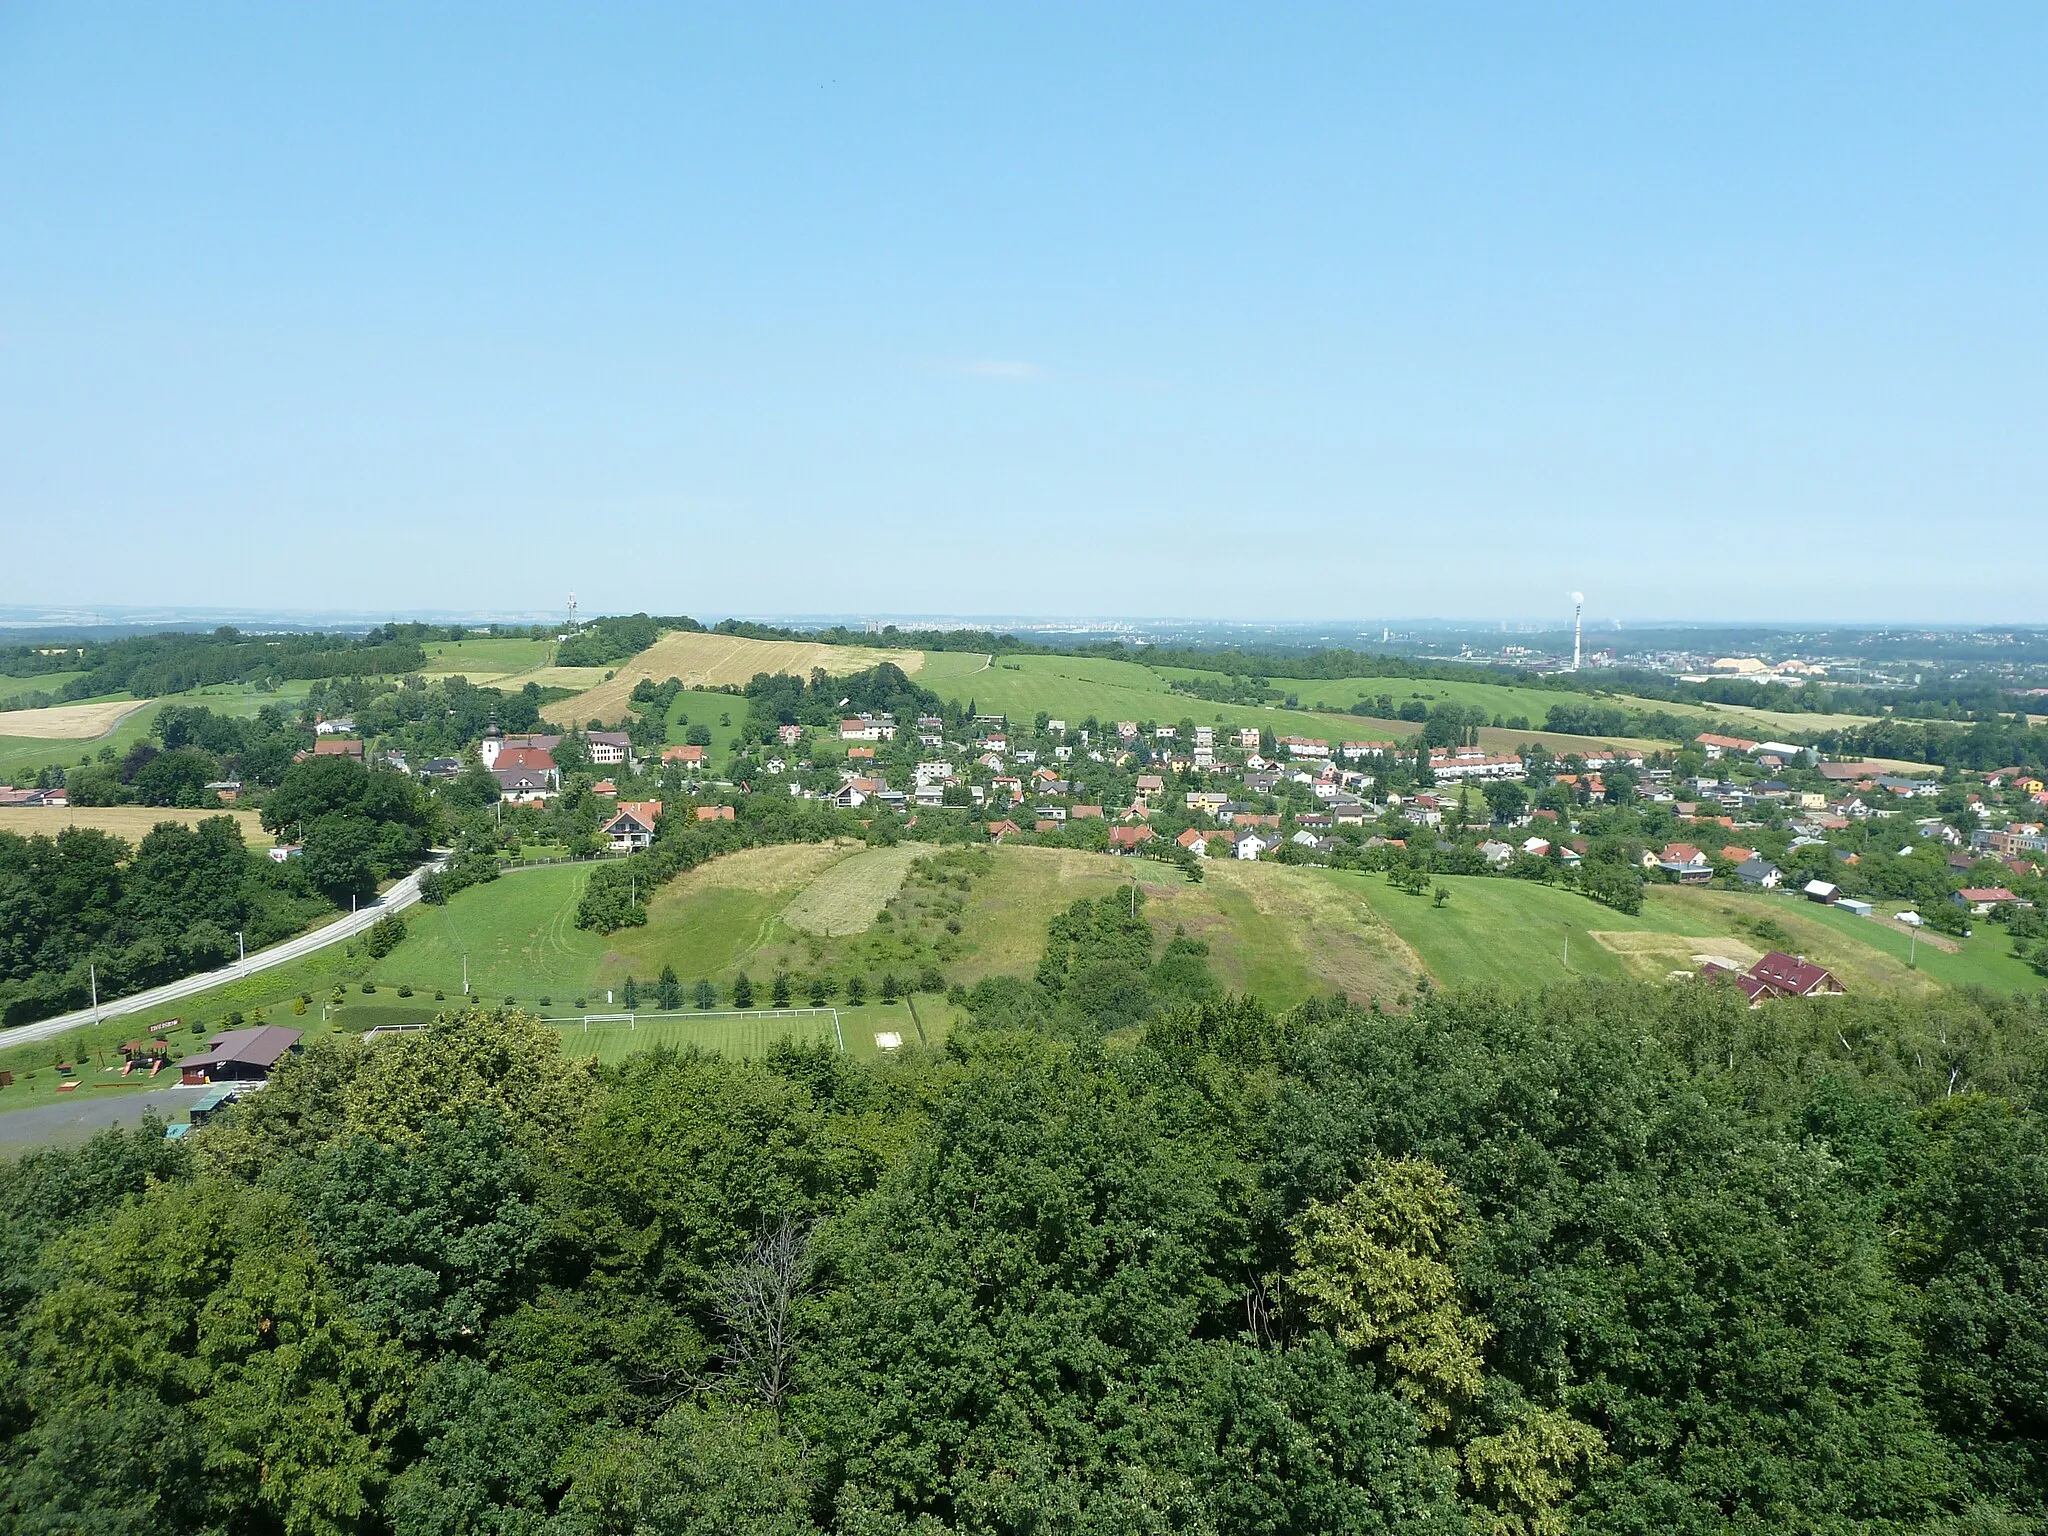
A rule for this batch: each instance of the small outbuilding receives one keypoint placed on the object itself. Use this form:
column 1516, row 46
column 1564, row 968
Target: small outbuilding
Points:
column 240, row 1055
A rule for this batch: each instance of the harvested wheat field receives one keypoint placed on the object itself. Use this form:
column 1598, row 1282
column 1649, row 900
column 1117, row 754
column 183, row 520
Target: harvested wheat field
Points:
column 130, row 821
column 68, row 722
column 846, row 898
column 713, row 661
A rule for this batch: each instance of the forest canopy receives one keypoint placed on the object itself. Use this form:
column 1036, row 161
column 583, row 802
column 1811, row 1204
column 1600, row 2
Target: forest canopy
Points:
column 1127, row 1256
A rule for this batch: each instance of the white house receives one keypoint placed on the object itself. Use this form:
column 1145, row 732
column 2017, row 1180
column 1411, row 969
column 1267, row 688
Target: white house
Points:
column 1251, row 845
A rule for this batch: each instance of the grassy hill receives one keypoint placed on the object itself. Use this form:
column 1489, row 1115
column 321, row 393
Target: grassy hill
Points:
column 1074, row 687
column 1281, row 933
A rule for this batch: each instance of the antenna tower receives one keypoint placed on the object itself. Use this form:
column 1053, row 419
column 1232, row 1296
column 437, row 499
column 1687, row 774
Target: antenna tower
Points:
column 572, row 613
column 1578, row 625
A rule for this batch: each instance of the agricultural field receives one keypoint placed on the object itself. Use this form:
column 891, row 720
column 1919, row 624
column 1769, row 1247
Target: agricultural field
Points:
column 133, row 822
column 1072, row 688
column 68, row 722
column 845, row 898
column 702, row 660
column 485, row 658
column 22, row 756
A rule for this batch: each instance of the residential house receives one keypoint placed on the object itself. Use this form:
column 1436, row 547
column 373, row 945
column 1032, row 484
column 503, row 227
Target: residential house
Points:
column 998, row 830
column 685, row 756
column 789, row 735
column 1980, row 899
column 632, row 829
column 1250, row 846
column 868, row 728
column 714, row 812
column 1496, row 852
column 1760, row 873
column 1825, row 892
column 339, row 746
column 1794, row 975
column 608, row 748
column 1717, row 745
column 1128, row 839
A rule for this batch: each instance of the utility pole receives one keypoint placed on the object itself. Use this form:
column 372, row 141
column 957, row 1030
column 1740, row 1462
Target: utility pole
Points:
column 465, row 975
column 244, row 948
column 1567, row 947
column 93, row 974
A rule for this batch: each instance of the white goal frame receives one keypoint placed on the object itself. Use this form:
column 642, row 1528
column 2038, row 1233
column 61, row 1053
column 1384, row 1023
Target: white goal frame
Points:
column 631, row 1020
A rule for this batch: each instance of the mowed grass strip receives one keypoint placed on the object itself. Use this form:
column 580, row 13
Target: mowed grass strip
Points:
column 846, row 898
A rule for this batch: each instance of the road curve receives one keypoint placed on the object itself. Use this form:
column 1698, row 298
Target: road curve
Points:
column 400, row 896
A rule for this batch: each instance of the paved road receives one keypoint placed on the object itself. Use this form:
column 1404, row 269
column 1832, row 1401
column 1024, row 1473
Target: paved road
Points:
column 72, row 1120
column 401, row 895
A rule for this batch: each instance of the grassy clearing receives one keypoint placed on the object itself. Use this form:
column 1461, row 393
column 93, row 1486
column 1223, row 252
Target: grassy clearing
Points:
column 1985, row 959
column 498, row 655
column 14, row 686
column 517, row 935
column 719, row 713
column 133, row 822
column 845, row 899
column 709, row 661
column 1514, row 933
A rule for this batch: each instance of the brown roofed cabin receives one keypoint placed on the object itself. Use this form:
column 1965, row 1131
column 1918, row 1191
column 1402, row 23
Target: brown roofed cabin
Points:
column 240, row 1055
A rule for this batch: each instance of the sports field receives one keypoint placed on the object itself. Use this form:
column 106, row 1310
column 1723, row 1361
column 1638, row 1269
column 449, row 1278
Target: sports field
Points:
column 751, row 1033
column 701, row 660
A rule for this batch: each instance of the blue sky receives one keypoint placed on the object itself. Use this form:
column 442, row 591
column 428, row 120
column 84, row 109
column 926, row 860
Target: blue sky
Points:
column 1267, row 312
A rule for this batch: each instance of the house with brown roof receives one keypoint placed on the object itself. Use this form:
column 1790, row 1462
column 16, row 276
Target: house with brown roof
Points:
column 339, row 746
column 714, row 813
column 998, row 830
column 240, row 1055
column 688, row 756
column 632, row 829
column 1127, row 839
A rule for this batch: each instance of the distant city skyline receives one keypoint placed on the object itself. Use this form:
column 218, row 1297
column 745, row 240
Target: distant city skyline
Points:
column 1730, row 314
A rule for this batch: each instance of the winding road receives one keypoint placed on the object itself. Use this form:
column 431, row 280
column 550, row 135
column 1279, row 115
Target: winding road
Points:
column 401, row 895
